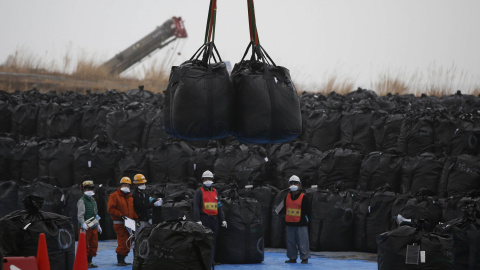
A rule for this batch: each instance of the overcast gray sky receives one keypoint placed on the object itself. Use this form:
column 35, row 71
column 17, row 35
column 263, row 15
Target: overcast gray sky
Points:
column 356, row 39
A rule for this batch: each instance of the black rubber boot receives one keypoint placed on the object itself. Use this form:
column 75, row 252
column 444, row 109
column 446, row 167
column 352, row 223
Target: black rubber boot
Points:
column 90, row 263
column 121, row 260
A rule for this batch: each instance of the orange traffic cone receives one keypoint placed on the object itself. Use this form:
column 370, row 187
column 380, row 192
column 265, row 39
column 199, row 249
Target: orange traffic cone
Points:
column 43, row 263
column 81, row 257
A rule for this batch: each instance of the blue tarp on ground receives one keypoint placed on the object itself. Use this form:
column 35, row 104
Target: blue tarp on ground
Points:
column 274, row 260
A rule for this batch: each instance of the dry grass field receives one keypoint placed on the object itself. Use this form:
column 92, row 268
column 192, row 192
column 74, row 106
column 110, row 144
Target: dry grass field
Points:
column 25, row 71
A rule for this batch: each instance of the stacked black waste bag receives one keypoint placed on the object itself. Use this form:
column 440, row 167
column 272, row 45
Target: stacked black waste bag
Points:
column 177, row 202
column 19, row 233
column 242, row 241
column 267, row 107
column 332, row 221
column 373, row 214
column 466, row 237
column 198, row 98
column 410, row 248
column 278, row 228
column 174, row 245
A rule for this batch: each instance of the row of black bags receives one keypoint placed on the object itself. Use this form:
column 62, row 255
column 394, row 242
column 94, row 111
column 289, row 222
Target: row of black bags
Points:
column 257, row 104
column 453, row 245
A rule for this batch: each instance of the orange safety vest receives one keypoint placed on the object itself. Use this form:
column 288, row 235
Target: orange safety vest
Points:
column 210, row 201
column 294, row 208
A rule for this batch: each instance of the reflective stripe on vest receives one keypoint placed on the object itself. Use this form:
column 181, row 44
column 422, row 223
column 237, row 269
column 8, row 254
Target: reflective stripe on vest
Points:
column 294, row 208
column 210, row 201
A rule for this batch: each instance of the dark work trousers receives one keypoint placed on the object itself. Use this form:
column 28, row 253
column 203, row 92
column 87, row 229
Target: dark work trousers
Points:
column 210, row 222
column 297, row 240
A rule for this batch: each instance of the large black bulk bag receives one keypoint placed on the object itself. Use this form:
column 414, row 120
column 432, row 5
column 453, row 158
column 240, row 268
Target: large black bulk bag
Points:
column 96, row 160
column 126, row 125
column 386, row 130
column 267, row 107
column 20, row 230
column 419, row 207
column 356, row 128
column 373, row 214
column 416, row 134
column 339, row 165
column 24, row 119
column 56, row 159
column 242, row 242
column 436, row 249
column 466, row 238
column 278, row 226
column 227, row 159
column 318, row 200
column 380, row 168
column 174, row 245
column 304, row 165
column 133, row 162
column 422, row 171
column 177, row 202
column 154, row 134
column 337, row 231
column 452, row 207
column 460, row 175
column 94, row 120
column 169, row 163
column 264, row 195
column 72, row 195
column 5, row 115
column 8, row 197
column 24, row 165
column 6, row 150
column 54, row 198
column 65, row 123
column 45, row 111
column 198, row 98
column 324, row 129
column 466, row 138
column 204, row 159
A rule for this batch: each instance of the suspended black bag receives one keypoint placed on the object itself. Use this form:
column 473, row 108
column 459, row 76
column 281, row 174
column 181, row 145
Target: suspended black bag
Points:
column 198, row 96
column 174, row 245
column 20, row 230
column 267, row 107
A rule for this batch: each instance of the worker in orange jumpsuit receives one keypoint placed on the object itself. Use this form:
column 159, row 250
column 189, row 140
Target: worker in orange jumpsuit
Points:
column 120, row 206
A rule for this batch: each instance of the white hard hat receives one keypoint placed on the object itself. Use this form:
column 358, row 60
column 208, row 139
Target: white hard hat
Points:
column 207, row 174
column 294, row 178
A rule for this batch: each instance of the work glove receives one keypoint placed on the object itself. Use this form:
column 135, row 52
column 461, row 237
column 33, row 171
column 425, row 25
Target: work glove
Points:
column 199, row 222
column 85, row 226
column 124, row 217
column 159, row 202
column 224, row 224
column 99, row 229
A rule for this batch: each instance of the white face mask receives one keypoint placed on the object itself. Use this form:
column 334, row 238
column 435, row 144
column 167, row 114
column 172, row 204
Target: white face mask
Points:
column 293, row 187
column 208, row 183
column 89, row 193
column 142, row 187
column 125, row 189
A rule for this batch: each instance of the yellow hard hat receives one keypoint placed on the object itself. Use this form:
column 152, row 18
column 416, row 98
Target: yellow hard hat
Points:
column 139, row 179
column 88, row 183
column 126, row 180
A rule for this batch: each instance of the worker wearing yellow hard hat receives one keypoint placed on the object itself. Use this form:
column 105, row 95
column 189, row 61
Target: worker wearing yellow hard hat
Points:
column 142, row 202
column 120, row 207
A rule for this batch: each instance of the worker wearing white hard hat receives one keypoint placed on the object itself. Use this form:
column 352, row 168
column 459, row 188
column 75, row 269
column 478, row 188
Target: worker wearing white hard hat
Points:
column 207, row 208
column 296, row 218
